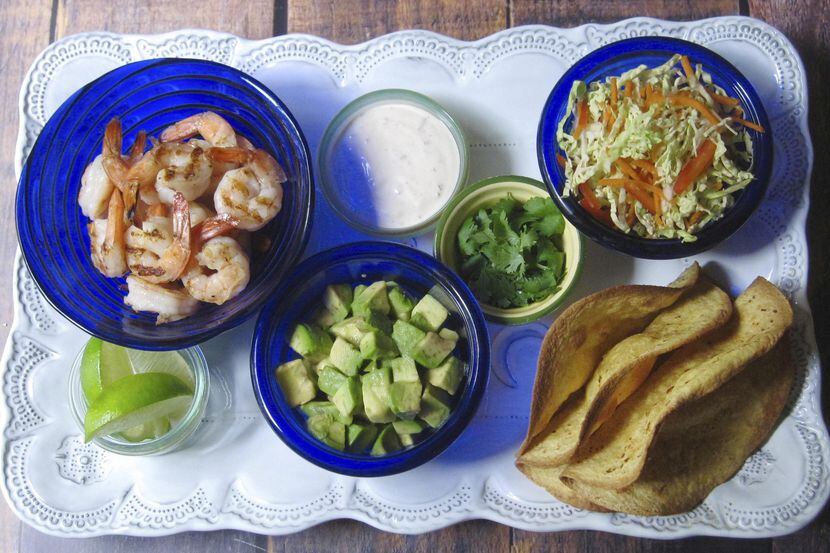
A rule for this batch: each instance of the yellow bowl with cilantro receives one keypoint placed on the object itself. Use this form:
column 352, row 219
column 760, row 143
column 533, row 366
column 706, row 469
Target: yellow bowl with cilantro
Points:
column 521, row 265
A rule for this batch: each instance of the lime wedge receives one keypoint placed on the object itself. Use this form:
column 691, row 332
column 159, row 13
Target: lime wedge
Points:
column 168, row 362
column 148, row 430
column 135, row 400
column 102, row 364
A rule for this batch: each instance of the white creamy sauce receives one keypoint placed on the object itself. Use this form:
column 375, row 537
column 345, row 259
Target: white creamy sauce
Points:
column 395, row 165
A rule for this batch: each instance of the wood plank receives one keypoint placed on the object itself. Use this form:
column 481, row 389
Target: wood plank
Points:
column 350, row 21
column 807, row 24
column 247, row 18
column 577, row 12
column 24, row 31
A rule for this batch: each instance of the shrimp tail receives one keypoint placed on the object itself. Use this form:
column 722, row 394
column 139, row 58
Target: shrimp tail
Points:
column 130, row 199
column 115, row 221
column 114, row 165
column 229, row 154
column 137, row 150
column 218, row 225
column 175, row 263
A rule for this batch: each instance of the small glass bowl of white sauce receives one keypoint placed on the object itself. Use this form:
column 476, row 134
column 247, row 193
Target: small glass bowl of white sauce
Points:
column 390, row 162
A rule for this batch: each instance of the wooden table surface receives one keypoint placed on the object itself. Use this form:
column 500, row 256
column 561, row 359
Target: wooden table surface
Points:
column 28, row 26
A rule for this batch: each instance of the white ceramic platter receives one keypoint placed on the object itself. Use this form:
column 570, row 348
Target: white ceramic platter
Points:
column 238, row 474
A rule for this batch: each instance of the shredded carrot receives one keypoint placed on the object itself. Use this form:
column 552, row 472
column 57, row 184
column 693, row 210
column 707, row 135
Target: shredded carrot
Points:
column 695, row 217
column 628, row 170
column 589, row 196
column 749, row 124
column 631, row 182
column 738, row 110
column 724, row 100
column 581, row 118
column 658, row 205
column 647, row 166
column 606, row 116
column 687, row 68
column 614, row 91
column 681, row 100
column 560, row 159
column 656, row 97
column 695, row 167
column 641, row 197
column 629, row 214
column 599, row 214
column 717, row 186
column 629, row 88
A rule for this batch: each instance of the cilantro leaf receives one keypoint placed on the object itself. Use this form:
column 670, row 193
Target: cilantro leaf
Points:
column 508, row 251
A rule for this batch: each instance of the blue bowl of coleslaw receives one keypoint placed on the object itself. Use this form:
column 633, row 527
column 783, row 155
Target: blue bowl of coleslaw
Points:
column 636, row 237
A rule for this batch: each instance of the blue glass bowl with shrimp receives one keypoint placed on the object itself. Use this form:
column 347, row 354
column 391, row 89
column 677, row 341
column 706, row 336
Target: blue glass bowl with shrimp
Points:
column 363, row 263
column 150, row 96
column 613, row 60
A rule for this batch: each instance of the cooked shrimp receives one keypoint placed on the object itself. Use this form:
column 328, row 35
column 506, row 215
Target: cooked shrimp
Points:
column 159, row 251
column 96, row 190
column 198, row 213
column 253, row 193
column 170, row 302
column 211, row 126
column 243, row 142
column 106, row 238
column 172, row 167
column 219, row 272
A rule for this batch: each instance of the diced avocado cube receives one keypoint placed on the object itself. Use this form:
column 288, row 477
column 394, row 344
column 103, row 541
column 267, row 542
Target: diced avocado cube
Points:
column 357, row 290
column 431, row 350
column 318, row 366
column 435, row 406
column 373, row 298
column 311, row 342
column 319, row 424
column 448, row 334
column 324, row 408
column 338, row 298
column 361, row 437
column 404, row 428
column 406, row 336
column 403, row 369
column 296, row 382
column 386, row 442
column 328, row 430
column 376, row 345
column 405, row 399
column 378, row 321
column 337, row 435
column 401, row 303
column 345, row 357
column 348, row 397
column 351, row 329
column 447, row 376
column 323, row 317
column 330, row 380
column 406, row 440
column 428, row 314
column 376, row 401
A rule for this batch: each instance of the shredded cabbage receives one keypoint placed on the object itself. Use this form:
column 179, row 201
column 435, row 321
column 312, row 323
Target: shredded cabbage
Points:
column 645, row 139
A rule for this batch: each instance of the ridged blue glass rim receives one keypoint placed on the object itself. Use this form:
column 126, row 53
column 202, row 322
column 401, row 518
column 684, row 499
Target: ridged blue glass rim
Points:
column 270, row 349
column 612, row 60
column 150, row 95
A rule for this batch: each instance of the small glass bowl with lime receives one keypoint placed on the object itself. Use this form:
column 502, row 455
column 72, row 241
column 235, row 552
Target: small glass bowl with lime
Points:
column 135, row 402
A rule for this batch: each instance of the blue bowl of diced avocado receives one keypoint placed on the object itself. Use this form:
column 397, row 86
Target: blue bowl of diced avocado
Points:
column 370, row 359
